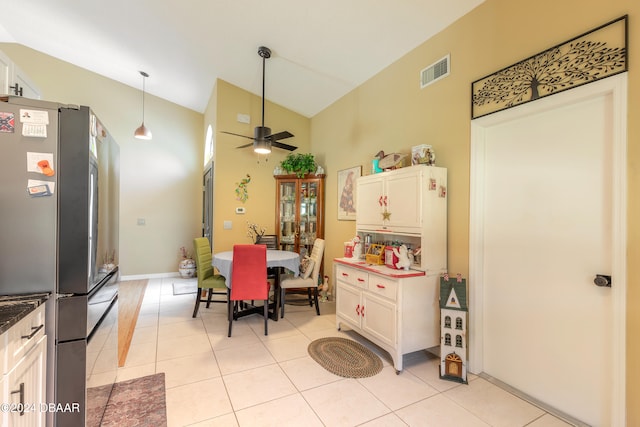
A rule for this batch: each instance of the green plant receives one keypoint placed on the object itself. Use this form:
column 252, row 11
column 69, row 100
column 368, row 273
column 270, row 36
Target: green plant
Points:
column 299, row 163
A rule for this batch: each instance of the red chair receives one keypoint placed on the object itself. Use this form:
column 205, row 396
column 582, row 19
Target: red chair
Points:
column 249, row 280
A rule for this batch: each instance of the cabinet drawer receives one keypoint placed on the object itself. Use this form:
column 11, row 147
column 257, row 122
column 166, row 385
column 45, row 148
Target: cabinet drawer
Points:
column 24, row 335
column 352, row 276
column 383, row 287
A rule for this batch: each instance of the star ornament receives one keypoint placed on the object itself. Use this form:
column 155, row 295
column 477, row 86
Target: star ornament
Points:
column 386, row 215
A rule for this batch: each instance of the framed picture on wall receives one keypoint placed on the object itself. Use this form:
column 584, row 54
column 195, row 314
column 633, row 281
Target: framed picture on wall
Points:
column 347, row 193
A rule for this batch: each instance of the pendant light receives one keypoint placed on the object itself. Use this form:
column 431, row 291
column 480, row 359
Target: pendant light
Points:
column 143, row 132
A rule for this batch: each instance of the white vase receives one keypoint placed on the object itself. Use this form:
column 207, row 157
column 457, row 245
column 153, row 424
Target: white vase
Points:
column 187, row 268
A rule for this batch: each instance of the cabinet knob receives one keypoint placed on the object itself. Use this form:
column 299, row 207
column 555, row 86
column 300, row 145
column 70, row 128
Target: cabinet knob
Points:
column 379, row 286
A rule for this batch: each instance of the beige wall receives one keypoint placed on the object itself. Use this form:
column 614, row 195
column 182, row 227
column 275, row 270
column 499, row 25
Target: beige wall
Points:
column 390, row 112
column 231, row 165
column 160, row 179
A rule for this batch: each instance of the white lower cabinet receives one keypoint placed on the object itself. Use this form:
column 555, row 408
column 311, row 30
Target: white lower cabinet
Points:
column 396, row 310
column 26, row 389
column 23, row 357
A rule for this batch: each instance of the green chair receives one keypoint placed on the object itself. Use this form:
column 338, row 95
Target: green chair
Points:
column 206, row 278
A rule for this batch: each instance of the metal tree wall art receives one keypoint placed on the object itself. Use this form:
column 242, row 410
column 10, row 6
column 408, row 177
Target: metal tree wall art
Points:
column 597, row 54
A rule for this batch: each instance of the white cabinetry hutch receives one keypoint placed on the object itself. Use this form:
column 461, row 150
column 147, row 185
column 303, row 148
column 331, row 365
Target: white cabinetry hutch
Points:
column 397, row 310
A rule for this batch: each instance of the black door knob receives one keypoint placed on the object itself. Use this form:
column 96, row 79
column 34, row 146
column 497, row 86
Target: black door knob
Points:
column 602, row 280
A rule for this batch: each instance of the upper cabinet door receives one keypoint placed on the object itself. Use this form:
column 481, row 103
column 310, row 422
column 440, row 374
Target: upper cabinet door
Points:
column 5, row 72
column 369, row 201
column 25, row 84
column 13, row 81
column 390, row 201
column 404, row 200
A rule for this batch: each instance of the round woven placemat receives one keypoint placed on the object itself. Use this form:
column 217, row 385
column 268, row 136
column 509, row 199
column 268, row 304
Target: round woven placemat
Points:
column 344, row 357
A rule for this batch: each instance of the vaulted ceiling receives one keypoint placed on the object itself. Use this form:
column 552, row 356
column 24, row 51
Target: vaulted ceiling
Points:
column 321, row 50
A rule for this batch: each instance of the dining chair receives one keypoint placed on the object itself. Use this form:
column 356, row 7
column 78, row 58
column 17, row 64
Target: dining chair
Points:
column 248, row 280
column 307, row 278
column 271, row 241
column 215, row 283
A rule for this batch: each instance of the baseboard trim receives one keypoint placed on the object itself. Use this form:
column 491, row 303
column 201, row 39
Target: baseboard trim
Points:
column 150, row 276
column 532, row 400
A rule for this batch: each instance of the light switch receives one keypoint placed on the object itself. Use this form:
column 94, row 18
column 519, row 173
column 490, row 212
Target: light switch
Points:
column 226, row 225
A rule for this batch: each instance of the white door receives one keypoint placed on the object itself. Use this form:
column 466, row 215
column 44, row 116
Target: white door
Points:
column 545, row 224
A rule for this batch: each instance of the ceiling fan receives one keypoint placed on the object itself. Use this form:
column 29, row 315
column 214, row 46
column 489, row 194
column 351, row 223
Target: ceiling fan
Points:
column 262, row 138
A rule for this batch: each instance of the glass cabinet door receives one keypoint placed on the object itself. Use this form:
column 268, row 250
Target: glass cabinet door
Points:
column 299, row 212
column 288, row 212
column 308, row 215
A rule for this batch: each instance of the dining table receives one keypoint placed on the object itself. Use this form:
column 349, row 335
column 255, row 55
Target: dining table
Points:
column 223, row 261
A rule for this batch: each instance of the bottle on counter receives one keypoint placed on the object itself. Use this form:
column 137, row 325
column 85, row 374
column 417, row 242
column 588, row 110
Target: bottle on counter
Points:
column 367, row 243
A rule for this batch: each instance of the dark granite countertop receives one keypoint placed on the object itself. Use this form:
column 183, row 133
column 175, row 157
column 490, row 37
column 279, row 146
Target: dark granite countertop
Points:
column 14, row 308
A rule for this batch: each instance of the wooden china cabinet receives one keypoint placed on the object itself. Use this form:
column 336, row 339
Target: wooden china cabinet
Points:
column 299, row 211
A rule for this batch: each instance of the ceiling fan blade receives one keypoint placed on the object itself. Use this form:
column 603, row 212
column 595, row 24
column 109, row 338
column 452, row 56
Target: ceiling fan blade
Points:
column 245, row 145
column 283, row 146
column 280, row 135
column 236, row 134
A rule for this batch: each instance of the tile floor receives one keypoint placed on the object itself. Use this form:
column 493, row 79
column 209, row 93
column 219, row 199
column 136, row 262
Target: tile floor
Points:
column 255, row 380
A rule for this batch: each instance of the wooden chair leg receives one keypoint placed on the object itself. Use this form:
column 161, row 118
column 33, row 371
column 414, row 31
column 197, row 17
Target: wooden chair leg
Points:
column 195, row 310
column 309, row 295
column 266, row 316
column 209, row 297
column 230, row 305
column 315, row 297
column 282, row 301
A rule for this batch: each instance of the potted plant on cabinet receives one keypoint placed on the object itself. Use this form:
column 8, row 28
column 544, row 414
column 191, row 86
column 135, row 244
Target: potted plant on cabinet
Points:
column 187, row 265
column 299, row 163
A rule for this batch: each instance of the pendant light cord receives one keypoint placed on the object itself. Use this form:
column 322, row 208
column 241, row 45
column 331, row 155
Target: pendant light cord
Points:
column 144, row 78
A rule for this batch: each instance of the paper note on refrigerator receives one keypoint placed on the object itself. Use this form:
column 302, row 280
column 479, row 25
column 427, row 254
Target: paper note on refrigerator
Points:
column 34, row 122
column 35, row 130
column 40, row 163
column 34, row 185
column 34, row 117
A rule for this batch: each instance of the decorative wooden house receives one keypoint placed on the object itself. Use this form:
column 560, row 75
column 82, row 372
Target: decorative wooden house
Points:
column 453, row 328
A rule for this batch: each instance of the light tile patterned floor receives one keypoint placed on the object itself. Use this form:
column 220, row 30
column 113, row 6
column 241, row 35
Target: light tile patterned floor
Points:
column 255, row 380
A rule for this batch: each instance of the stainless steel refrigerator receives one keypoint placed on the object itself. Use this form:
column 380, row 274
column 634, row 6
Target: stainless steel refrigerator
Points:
column 59, row 207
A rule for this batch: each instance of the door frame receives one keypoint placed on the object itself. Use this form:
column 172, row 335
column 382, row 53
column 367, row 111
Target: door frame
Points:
column 616, row 87
column 207, row 203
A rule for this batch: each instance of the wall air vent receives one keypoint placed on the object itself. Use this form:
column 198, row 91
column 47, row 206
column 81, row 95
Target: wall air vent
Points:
column 434, row 72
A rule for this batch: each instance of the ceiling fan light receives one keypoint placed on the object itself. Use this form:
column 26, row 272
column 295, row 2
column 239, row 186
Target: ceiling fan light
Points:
column 262, row 147
column 143, row 132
